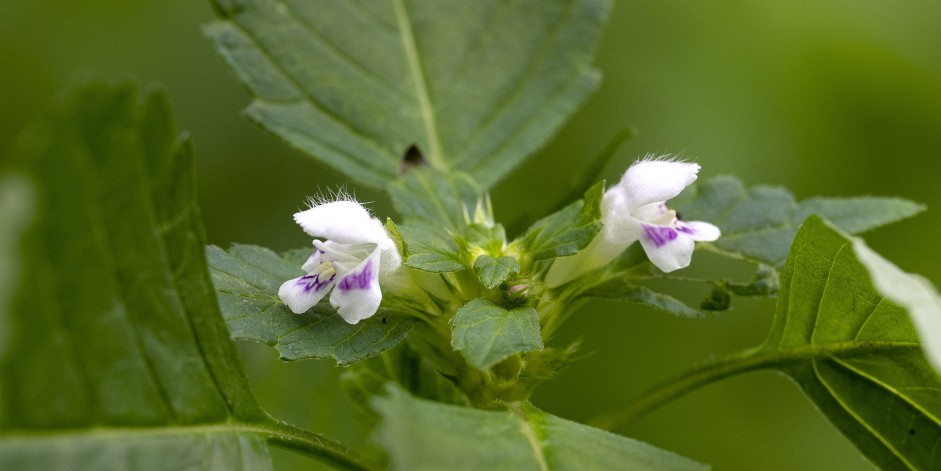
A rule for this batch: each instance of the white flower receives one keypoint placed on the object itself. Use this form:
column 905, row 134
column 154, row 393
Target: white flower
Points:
column 355, row 252
column 635, row 209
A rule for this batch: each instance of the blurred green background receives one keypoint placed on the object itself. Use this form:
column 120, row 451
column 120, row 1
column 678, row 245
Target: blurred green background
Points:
column 826, row 97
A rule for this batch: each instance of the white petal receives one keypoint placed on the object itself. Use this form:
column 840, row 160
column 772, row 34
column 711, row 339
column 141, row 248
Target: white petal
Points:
column 301, row 294
column 698, row 230
column 668, row 249
column 652, row 181
column 345, row 222
column 916, row 294
column 357, row 294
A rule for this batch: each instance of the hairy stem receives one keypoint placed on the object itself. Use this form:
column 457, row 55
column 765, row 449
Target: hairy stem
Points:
column 732, row 365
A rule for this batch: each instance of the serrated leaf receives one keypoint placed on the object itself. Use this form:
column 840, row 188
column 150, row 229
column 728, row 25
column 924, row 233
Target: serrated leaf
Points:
column 486, row 333
column 493, row 271
column 430, row 249
column 759, row 224
column 247, row 279
column 115, row 355
column 566, row 231
column 619, row 291
column 475, row 86
column 433, row 197
column 520, row 439
column 854, row 353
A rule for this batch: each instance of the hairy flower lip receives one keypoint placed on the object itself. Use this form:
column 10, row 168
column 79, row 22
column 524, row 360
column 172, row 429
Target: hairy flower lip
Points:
column 347, row 264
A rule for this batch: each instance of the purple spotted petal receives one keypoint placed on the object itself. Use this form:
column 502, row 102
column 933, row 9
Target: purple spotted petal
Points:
column 301, row 294
column 659, row 235
column 357, row 295
column 668, row 249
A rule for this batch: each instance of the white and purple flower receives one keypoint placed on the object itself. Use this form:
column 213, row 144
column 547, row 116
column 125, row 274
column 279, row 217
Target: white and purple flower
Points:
column 635, row 209
column 355, row 251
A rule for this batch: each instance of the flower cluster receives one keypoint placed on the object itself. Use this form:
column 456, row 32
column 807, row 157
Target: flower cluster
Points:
column 355, row 251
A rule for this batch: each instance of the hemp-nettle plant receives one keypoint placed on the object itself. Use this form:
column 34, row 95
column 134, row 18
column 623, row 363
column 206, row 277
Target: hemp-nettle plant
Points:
column 118, row 328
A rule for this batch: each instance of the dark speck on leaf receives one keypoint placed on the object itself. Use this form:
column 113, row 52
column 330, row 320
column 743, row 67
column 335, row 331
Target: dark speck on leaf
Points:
column 384, row 321
column 911, row 431
column 413, row 158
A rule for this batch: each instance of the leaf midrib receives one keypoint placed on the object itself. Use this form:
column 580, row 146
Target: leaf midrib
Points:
column 421, row 88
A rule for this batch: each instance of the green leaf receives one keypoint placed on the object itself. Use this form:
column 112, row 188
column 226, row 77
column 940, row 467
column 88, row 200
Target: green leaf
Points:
column 566, row 231
column 619, row 291
column 521, row 439
column 430, row 249
column 115, row 355
column 476, row 86
column 486, row 333
column 434, row 197
column 854, row 353
column 759, row 224
column 247, row 279
column 493, row 271
column 913, row 292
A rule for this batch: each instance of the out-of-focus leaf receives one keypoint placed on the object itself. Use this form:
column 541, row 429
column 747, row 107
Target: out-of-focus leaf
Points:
column 521, row 439
column 486, row 333
column 115, row 355
column 854, row 353
column 566, row 231
column 474, row 86
column 434, row 197
column 247, row 279
column 759, row 224
column 493, row 271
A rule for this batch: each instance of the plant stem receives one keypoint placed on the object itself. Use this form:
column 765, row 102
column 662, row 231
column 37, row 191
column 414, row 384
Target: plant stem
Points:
column 735, row 364
column 313, row 445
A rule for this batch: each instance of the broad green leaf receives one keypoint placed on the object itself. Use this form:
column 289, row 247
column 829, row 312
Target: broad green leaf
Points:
column 247, row 279
column 115, row 355
column 521, row 439
column 913, row 292
column 854, row 353
column 759, row 224
column 486, row 333
column 474, row 86
column 493, row 271
column 434, row 197
column 429, row 248
column 566, row 231
column 619, row 291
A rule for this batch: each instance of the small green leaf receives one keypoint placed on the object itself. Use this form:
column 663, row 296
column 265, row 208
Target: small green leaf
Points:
column 486, row 333
column 435, row 197
column 476, row 87
column 854, row 353
column 247, row 279
column 493, row 271
column 523, row 438
column 114, row 353
column 759, row 224
column 619, row 291
column 566, row 231
column 430, row 248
